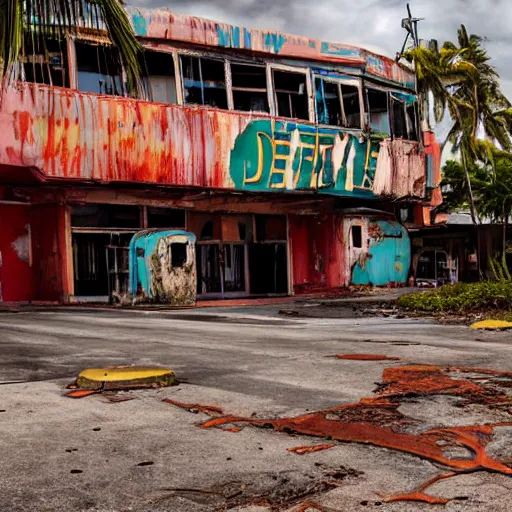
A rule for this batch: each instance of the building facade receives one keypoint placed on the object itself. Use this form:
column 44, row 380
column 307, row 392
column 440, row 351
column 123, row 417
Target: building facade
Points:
column 296, row 163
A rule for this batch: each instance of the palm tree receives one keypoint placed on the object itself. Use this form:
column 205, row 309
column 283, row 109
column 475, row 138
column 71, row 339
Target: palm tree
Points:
column 45, row 19
column 462, row 82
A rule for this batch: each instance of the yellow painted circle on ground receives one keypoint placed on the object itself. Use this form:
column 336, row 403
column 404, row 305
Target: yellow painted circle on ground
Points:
column 118, row 377
column 492, row 324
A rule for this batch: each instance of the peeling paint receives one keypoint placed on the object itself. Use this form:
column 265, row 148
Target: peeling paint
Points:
column 71, row 135
column 165, row 25
column 155, row 275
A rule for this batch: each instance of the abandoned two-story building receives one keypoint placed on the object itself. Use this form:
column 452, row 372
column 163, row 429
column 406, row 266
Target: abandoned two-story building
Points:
column 296, row 163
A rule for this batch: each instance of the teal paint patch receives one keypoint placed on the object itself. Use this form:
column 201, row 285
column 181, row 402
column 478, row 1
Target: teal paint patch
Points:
column 408, row 99
column 389, row 255
column 142, row 251
column 274, row 42
column 224, row 35
column 247, row 39
column 140, row 25
column 339, row 51
column 287, row 156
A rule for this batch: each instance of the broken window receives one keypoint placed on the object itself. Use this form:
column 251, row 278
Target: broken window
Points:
column 399, row 121
column 291, row 94
column 166, row 218
column 357, row 237
column 178, row 254
column 412, row 121
column 44, row 61
column 378, row 110
column 159, row 79
column 204, row 81
column 337, row 104
column 99, row 69
column 328, row 102
column 249, row 86
column 351, row 106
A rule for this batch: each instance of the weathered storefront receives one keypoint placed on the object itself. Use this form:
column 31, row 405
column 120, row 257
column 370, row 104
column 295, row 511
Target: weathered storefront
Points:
column 257, row 143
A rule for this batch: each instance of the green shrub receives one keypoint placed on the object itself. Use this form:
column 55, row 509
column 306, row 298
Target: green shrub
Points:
column 461, row 298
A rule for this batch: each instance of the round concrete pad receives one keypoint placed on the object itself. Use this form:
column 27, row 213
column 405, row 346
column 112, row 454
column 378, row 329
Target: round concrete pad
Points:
column 125, row 377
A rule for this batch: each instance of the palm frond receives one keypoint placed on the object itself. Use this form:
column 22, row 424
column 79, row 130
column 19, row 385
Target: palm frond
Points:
column 40, row 20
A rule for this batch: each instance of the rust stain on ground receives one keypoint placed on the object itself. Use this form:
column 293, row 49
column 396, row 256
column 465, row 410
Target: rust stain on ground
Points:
column 376, row 420
column 301, row 450
column 232, row 429
column 309, row 506
column 81, row 393
column 207, row 409
column 366, row 357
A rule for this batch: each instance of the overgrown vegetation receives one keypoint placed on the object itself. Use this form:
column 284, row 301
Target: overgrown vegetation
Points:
column 463, row 298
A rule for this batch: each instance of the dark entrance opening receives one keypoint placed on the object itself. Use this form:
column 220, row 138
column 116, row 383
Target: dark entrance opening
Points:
column 268, row 267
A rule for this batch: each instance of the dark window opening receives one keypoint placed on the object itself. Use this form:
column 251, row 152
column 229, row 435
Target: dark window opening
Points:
column 351, row 106
column 412, row 121
column 270, row 227
column 328, row 102
column 378, row 110
column 291, row 94
column 357, row 237
column 166, row 218
column 242, row 231
column 249, row 85
column 99, row 69
column 337, row 104
column 105, row 216
column 399, row 121
column 159, row 79
column 204, row 81
column 44, row 61
column 207, row 231
column 178, row 254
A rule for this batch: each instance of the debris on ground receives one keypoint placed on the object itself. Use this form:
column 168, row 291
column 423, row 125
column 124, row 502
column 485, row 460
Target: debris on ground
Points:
column 377, row 420
column 301, row 450
column 196, row 408
column 365, row 357
column 119, row 378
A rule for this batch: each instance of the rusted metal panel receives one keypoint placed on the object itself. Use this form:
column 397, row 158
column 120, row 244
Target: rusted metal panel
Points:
column 71, row 135
column 164, row 25
column 400, row 170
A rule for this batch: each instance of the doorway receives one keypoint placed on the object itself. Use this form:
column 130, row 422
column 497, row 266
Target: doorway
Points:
column 221, row 270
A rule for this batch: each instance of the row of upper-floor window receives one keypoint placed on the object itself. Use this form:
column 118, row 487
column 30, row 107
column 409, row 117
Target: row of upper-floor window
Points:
column 195, row 79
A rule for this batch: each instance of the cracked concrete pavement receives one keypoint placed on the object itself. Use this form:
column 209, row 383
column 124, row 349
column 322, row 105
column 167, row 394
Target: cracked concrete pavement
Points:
column 146, row 455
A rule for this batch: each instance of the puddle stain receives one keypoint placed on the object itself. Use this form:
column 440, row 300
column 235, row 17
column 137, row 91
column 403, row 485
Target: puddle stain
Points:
column 301, row 450
column 377, row 421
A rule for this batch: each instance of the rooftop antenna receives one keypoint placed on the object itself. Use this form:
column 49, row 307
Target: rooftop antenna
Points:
column 411, row 25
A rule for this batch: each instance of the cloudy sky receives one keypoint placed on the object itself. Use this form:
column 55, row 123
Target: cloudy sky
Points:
column 374, row 24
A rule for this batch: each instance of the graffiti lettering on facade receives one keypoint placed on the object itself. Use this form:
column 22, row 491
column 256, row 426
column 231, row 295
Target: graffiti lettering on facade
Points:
column 275, row 155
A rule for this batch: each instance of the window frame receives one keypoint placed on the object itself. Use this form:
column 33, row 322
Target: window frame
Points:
column 388, row 92
column 272, row 93
column 232, row 88
column 146, row 88
column 340, row 82
column 208, row 56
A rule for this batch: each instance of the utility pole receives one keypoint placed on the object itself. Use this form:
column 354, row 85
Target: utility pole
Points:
column 410, row 24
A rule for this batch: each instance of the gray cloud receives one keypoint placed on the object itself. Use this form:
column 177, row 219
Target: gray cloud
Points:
column 371, row 23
